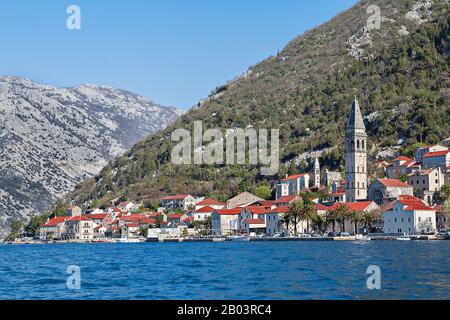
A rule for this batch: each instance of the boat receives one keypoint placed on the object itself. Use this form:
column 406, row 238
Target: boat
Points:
column 360, row 237
column 240, row 238
column 403, row 238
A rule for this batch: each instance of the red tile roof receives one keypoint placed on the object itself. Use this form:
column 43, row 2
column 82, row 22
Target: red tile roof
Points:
column 436, row 154
column 205, row 210
column 97, row 216
column 393, row 183
column 281, row 209
column 294, row 177
column 352, row 206
column 286, row 199
column 175, row 216
column 403, row 158
column 257, row 210
column 209, row 202
column 188, row 219
column 322, row 207
column 54, row 222
column 228, row 212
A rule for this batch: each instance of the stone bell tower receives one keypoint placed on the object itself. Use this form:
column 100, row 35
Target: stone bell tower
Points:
column 356, row 156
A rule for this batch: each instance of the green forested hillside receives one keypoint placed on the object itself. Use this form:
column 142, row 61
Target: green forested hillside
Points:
column 401, row 79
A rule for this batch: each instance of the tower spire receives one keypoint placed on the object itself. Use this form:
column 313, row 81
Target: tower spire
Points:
column 356, row 155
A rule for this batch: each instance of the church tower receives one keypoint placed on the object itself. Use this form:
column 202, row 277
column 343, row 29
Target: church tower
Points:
column 356, row 156
column 317, row 173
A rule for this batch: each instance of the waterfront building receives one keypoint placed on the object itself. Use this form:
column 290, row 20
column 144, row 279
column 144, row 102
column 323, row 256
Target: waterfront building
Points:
column 102, row 219
column 225, row 221
column 52, row 229
column 203, row 213
column 78, row 228
column 356, row 156
column 292, row 185
column 409, row 215
column 273, row 218
column 383, row 191
column 130, row 230
column 349, row 226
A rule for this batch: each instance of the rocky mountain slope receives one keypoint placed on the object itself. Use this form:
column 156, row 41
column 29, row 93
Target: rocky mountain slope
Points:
column 53, row 138
column 399, row 71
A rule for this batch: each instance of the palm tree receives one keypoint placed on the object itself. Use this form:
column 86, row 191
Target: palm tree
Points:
column 296, row 214
column 331, row 217
column 356, row 217
column 309, row 212
column 370, row 217
column 341, row 212
column 285, row 220
column 319, row 223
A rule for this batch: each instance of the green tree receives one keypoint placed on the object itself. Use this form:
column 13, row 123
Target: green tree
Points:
column 263, row 192
column 16, row 227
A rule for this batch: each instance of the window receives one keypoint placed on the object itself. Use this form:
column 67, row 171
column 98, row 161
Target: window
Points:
column 362, row 144
column 395, row 219
column 402, row 219
column 357, row 144
column 409, row 219
column 420, row 219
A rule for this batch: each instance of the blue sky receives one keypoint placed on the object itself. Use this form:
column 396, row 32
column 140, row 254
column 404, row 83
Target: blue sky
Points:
column 171, row 51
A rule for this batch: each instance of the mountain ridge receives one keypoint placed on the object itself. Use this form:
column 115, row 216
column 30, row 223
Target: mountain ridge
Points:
column 53, row 138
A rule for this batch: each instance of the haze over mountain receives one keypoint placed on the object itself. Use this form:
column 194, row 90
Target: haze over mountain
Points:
column 53, row 138
column 399, row 72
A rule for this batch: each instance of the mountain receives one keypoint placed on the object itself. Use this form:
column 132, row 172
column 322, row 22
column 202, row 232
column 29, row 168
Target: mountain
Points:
column 51, row 138
column 399, row 72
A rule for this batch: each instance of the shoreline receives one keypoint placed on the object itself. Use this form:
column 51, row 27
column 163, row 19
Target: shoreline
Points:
column 227, row 239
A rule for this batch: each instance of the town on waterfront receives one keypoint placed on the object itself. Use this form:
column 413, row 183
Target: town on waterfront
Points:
column 402, row 199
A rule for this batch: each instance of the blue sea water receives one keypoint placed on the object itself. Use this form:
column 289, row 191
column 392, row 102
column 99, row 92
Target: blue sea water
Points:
column 232, row 270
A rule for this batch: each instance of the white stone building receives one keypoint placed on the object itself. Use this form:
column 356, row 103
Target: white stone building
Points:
column 293, row 185
column 409, row 215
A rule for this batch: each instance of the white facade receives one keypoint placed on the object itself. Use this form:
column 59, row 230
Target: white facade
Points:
column 293, row 185
column 409, row 218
